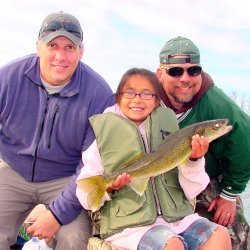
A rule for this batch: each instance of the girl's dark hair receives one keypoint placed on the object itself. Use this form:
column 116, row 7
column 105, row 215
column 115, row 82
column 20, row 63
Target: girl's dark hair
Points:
column 141, row 72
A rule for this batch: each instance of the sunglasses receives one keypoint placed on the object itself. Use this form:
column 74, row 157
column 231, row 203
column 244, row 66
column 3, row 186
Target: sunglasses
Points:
column 61, row 24
column 179, row 71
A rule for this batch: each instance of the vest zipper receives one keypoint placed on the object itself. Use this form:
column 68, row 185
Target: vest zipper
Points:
column 40, row 135
column 163, row 183
column 158, row 207
column 53, row 122
column 152, row 179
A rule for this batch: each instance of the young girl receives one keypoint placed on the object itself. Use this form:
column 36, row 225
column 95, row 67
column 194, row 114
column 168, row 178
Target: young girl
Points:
column 162, row 218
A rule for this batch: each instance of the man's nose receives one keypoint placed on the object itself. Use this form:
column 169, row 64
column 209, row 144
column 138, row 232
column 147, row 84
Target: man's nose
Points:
column 60, row 54
column 185, row 77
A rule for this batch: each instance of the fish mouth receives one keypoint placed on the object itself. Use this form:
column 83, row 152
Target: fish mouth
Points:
column 228, row 128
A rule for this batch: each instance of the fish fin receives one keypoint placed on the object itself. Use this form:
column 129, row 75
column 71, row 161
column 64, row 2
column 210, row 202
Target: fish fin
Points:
column 139, row 185
column 95, row 187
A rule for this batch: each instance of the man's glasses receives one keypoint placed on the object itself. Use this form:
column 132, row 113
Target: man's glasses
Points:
column 179, row 71
column 61, row 24
column 143, row 95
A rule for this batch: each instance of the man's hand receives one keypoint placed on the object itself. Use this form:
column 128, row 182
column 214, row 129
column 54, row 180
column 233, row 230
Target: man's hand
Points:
column 44, row 226
column 224, row 211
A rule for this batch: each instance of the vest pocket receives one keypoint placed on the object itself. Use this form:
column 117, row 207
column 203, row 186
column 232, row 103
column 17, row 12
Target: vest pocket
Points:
column 127, row 209
column 173, row 202
column 126, row 201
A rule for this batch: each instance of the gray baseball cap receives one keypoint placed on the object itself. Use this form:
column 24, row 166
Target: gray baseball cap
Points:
column 179, row 46
column 61, row 24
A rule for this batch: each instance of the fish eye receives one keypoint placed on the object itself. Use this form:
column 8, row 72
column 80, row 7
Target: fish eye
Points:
column 217, row 126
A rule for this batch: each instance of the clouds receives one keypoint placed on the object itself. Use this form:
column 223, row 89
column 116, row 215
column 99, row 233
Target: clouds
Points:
column 122, row 34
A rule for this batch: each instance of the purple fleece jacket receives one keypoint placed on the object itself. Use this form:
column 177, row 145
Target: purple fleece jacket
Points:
column 42, row 136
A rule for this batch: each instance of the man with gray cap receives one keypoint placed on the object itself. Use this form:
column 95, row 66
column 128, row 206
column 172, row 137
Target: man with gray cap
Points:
column 191, row 93
column 45, row 102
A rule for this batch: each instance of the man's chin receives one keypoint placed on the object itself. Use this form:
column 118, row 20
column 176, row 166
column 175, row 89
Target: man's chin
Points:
column 183, row 100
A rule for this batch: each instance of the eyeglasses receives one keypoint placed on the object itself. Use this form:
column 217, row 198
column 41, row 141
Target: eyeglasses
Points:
column 179, row 71
column 61, row 24
column 143, row 95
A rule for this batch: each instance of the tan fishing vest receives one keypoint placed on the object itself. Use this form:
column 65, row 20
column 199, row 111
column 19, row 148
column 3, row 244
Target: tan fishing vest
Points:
column 119, row 141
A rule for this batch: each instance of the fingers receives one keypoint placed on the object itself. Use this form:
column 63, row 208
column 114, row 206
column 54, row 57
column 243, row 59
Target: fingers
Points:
column 224, row 218
column 40, row 235
column 225, row 211
column 212, row 206
column 31, row 219
column 121, row 181
column 35, row 232
column 30, row 230
column 231, row 219
column 44, row 227
column 200, row 146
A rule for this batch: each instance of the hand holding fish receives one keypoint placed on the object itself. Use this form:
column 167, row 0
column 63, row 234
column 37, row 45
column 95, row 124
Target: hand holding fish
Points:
column 174, row 150
column 120, row 182
column 200, row 146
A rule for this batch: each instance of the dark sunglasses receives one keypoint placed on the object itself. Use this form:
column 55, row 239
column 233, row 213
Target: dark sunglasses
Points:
column 61, row 25
column 179, row 71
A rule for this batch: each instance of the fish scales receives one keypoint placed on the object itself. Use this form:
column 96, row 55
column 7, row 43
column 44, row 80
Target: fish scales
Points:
column 174, row 150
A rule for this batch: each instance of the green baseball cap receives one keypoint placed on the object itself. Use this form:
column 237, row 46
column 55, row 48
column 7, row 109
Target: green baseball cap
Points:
column 179, row 46
column 61, row 24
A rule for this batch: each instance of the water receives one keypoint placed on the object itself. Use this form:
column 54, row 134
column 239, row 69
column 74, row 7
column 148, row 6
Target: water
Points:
column 245, row 196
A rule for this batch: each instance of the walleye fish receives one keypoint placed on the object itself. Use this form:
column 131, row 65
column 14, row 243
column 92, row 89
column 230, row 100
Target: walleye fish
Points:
column 174, row 150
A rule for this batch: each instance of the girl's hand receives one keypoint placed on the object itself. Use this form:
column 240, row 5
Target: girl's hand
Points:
column 200, row 146
column 121, row 182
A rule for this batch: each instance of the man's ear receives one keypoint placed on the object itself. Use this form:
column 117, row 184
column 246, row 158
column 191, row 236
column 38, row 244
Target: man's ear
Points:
column 158, row 73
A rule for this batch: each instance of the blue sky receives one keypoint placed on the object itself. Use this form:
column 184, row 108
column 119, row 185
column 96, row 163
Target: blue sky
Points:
column 120, row 34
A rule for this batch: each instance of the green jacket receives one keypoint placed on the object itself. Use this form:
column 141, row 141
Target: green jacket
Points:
column 228, row 156
column 119, row 141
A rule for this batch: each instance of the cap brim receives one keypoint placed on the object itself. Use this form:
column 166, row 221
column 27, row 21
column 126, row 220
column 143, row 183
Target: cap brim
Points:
column 49, row 37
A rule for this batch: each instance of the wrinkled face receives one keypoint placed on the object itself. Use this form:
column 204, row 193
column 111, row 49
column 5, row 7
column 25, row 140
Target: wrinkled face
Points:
column 179, row 90
column 137, row 109
column 58, row 60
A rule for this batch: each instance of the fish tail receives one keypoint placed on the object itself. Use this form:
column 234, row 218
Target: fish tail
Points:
column 95, row 187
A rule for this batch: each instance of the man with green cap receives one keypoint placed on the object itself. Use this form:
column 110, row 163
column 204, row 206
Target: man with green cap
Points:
column 191, row 93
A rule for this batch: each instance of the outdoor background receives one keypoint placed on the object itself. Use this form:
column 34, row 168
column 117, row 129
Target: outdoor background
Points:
column 120, row 34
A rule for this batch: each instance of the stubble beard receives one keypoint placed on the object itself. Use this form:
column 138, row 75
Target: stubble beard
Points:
column 182, row 100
